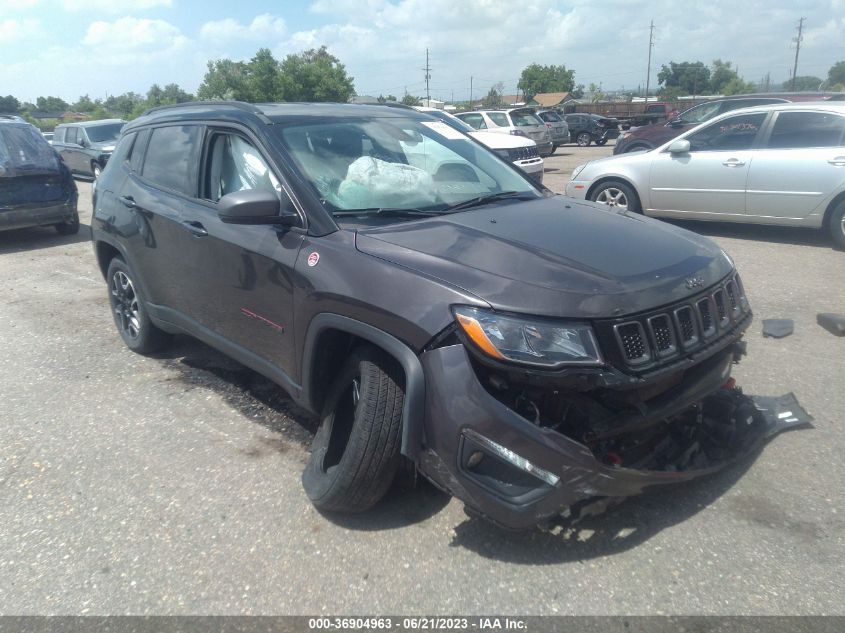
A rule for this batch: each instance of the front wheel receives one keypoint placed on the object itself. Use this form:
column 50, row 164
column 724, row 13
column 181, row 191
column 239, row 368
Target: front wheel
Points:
column 837, row 225
column 601, row 141
column 583, row 139
column 616, row 194
column 355, row 453
column 130, row 311
column 69, row 227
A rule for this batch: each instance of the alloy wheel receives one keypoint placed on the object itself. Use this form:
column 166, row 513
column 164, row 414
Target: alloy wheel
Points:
column 124, row 302
column 613, row 197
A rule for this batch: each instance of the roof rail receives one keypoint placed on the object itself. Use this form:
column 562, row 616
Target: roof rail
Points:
column 240, row 105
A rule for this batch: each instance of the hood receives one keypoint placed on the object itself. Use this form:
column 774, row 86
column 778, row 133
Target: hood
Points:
column 555, row 257
column 104, row 146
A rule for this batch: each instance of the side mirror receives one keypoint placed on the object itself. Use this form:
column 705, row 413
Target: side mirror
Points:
column 676, row 122
column 681, row 146
column 83, row 143
column 256, row 206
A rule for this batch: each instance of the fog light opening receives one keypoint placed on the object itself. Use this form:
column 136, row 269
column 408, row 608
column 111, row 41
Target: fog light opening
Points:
column 509, row 456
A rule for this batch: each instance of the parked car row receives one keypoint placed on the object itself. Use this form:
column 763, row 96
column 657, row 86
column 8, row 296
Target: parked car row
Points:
column 781, row 164
column 516, row 121
column 86, row 147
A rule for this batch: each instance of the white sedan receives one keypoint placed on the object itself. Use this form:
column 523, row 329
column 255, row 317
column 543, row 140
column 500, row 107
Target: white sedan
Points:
column 776, row 164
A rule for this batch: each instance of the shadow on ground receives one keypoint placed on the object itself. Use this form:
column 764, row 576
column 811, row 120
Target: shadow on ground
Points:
column 759, row 233
column 36, row 238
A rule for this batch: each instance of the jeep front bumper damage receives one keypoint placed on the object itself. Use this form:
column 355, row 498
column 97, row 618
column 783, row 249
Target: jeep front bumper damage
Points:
column 518, row 472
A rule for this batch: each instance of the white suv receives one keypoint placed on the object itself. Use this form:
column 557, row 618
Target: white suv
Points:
column 517, row 121
column 517, row 149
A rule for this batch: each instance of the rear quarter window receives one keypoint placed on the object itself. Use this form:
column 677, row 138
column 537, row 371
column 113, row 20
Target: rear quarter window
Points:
column 499, row 118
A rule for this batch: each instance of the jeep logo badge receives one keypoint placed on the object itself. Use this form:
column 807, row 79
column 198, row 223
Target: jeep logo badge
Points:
column 694, row 282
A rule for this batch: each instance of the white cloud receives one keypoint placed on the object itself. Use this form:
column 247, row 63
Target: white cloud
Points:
column 16, row 5
column 13, row 30
column 264, row 27
column 114, row 6
column 134, row 34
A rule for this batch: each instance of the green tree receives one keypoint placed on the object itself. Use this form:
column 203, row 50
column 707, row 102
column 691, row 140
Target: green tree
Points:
column 225, row 79
column 51, row 104
column 172, row 93
column 689, row 77
column 738, row 86
column 836, row 75
column 803, row 82
column 83, row 104
column 388, row 98
column 724, row 80
column 578, row 92
column 123, row 105
column 536, row 79
column 9, row 104
column 264, row 84
column 493, row 98
column 411, row 100
column 315, row 75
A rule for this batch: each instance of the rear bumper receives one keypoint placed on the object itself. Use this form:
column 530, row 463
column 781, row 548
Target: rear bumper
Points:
column 545, row 149
column 532, row 167
column 463, row 420
column 560, row 138
column 22, row 216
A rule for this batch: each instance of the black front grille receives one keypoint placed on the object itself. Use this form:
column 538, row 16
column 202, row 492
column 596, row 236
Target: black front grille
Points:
column 523, row 153
column 650, row 339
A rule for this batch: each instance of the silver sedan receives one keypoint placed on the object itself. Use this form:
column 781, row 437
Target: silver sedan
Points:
column 776, row 164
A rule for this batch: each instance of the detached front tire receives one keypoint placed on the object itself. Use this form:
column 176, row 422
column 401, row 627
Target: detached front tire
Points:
column 601, row 141
column 129, row 311
column 355, row 453
column 836, row 225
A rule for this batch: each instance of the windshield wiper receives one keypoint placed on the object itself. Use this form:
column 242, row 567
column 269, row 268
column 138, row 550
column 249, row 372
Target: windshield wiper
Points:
column 385, row 212
column 492, row 197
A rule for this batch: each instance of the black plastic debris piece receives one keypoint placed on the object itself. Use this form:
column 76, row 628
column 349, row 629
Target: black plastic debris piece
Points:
column 833, row 323
column 781, row 413
column 778, row 328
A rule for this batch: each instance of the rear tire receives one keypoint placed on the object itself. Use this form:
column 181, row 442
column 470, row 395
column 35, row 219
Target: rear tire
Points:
column 617, row 195
column 129, row 311
column 554, row 149
column 355, row 453
column 583, row 139
column 836, row 225
column 69, row 227
column 96, row 170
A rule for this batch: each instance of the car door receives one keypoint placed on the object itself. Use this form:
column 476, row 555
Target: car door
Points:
column 70, row 148
column 799, row 168
column 241, row 276
column 710, row 179
column 163, row 176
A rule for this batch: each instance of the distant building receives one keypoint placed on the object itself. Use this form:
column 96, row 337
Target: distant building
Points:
column 433, row 103
column 550, row 99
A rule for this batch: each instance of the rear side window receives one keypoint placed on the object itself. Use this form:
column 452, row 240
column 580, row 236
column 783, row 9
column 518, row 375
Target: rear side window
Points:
column 793, row 130
column 170, row 156
column 550, row 117
column 72, row 135
column 59, row 135
column 499, row 118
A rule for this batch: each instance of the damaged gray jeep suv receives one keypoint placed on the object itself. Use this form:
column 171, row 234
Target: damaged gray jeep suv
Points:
column 528, row 353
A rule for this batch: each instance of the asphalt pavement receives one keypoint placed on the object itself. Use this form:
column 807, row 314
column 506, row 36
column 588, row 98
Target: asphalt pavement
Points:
column 170, row 484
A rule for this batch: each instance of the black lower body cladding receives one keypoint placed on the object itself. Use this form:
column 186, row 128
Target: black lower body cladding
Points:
column 493, row 447
column 23, row 216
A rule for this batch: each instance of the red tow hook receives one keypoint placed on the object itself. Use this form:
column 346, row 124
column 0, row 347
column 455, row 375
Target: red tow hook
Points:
column 613, row 458
column 730, row 384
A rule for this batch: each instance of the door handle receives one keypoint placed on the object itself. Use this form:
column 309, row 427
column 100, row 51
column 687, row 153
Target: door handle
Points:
column 195, row 228
column 129, row 201
column 839, row 161
column 733, row 162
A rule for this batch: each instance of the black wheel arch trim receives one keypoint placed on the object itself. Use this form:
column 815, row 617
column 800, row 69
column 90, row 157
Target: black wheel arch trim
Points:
column 414, row 406
column 98, row 237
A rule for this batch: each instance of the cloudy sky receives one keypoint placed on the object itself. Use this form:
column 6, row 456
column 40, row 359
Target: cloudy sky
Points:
column 99, row 47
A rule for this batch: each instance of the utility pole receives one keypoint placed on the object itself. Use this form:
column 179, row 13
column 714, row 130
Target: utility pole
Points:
column 427, row 70
column 648, row 72
column 470, row 92
column 797, row 41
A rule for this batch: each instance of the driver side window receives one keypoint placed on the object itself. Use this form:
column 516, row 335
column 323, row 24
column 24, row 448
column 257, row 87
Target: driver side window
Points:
column 233, row 164
column 735, row 133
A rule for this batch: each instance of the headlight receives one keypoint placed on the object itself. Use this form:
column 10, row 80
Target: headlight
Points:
column 503, row 153
column 530, row 341
column 577, row 171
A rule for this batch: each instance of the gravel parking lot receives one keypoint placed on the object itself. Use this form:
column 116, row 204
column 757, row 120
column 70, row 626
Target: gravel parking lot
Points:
column 171, row 484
